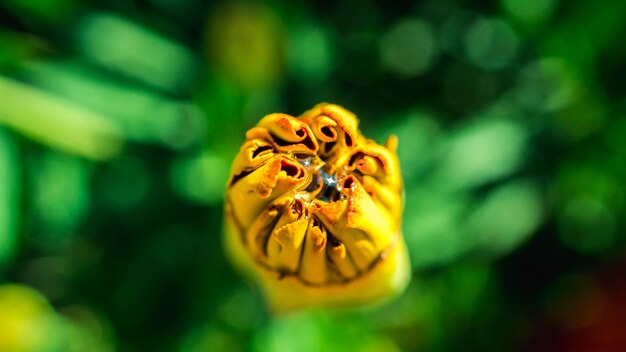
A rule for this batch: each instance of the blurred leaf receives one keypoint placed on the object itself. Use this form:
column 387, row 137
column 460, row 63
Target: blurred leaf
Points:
column 16, row 47
column 548, row 85
column 311, row 54
column 145, row 116
column 587, row 225
column 87, row 330
column 504, row 219
column 467, row 285
column 44, row 10
column 442, row 226
column 530, row 14
column 480, row 152
column 135, row 51
column 211, row 339
column 57, row 122
column 320, row 331
column 125, row 183
column 432, row 226
column 201, row 178
column 10, row 189
column 595, row 28
column 588, row 200
column 60, row 192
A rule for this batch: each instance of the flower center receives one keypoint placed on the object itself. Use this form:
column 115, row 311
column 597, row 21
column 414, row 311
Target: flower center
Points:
column 324, row 184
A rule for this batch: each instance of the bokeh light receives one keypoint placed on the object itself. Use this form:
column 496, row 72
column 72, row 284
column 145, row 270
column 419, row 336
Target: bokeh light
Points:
column 409, row 48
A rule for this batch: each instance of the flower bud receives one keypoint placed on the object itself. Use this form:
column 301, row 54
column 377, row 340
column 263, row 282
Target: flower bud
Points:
column 313, row 211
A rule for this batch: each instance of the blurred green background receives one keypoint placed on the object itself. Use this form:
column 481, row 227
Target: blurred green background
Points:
column 119, row 119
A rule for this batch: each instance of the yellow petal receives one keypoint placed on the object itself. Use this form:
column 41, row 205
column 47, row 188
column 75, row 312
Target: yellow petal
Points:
column 313, row 267
column 341, row 261
column 285, row 246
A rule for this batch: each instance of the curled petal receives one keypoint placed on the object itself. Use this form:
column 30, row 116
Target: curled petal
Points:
column 252, row 191
column 285, row 246
column 259, row 232
column 324, row 128
column 285, row 132
column 346, row 120
column 253, row 154
column 335, row 127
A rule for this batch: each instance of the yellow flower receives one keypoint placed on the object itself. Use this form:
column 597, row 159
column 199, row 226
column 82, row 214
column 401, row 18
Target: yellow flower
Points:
column 313, row 212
